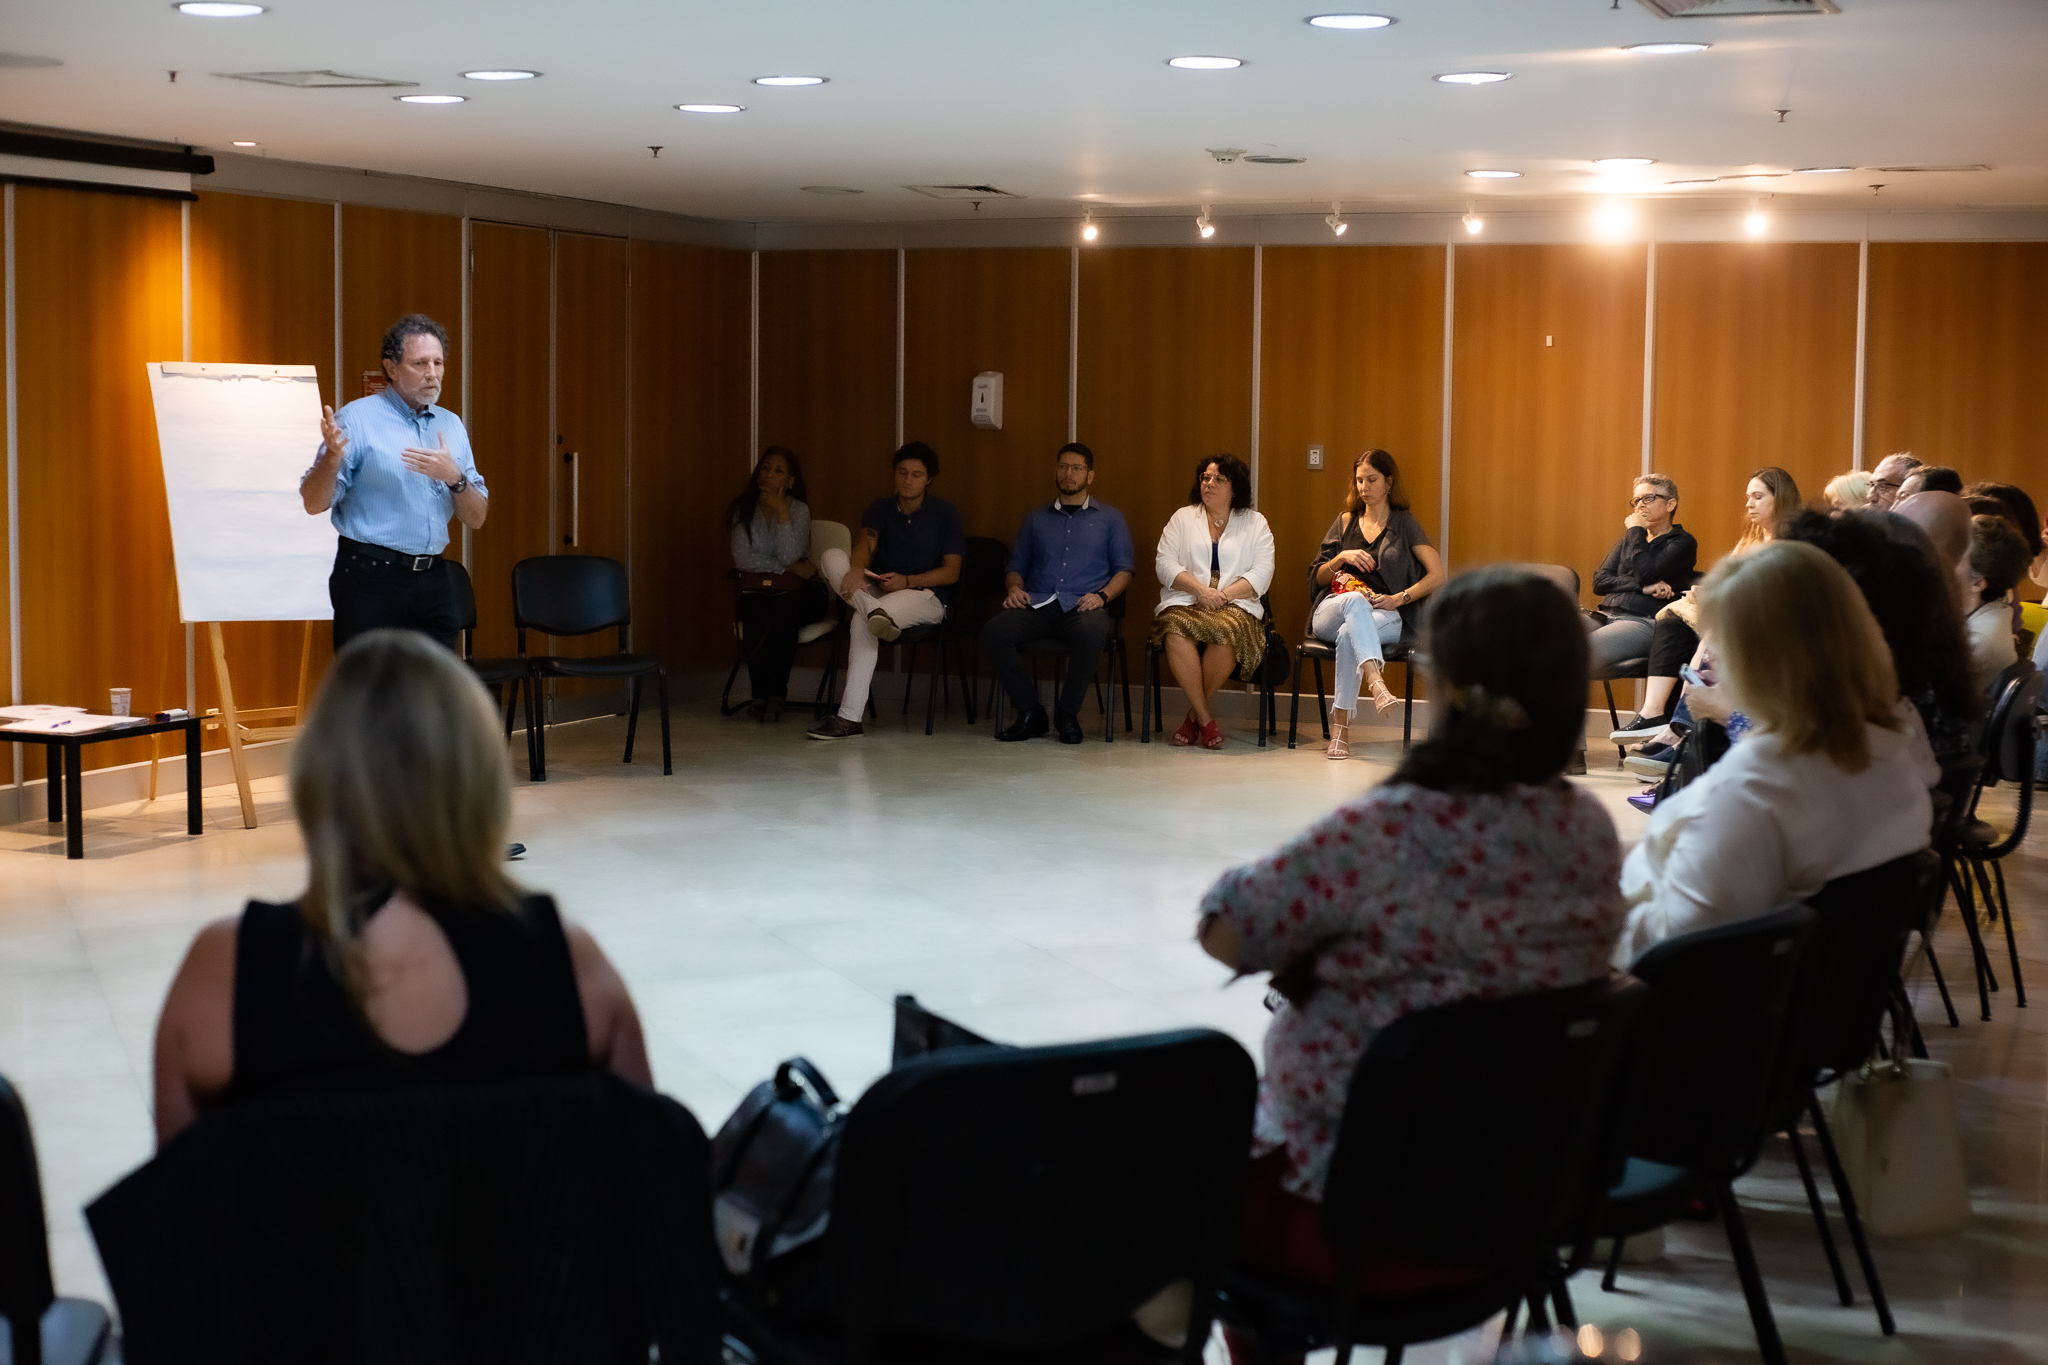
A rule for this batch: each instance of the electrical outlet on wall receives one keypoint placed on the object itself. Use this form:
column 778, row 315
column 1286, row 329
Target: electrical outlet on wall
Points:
column 1315, row 457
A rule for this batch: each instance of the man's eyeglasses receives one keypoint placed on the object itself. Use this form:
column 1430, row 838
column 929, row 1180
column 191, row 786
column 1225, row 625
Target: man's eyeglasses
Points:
column 1646, row 499
column 1886, row 485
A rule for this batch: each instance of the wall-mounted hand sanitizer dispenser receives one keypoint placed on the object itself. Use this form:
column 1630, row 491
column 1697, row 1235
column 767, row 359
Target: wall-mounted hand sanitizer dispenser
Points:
column 986, row 408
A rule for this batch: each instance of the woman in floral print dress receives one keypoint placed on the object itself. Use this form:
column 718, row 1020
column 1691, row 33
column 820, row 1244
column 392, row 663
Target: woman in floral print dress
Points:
column 1475, row 870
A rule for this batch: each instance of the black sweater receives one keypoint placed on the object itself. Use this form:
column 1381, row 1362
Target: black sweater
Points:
column 1636, row 561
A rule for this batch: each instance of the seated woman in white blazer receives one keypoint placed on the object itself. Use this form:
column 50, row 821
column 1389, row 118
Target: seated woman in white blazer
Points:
column 1832, row 778
column 1215, row 561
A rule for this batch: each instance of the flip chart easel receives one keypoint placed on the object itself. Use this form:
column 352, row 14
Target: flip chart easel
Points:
column 235, row 440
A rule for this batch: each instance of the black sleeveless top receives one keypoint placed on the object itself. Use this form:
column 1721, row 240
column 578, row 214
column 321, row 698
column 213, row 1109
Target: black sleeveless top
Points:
column 296, row 1029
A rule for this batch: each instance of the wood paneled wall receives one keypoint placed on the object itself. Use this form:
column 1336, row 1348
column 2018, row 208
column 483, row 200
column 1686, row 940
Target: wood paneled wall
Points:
column 510, row 427
column 689, row 445
column 1165, row 379
column 1546, row 402
column 1755, row 366
column 395, row 262
column 1351, row 360
column 828, row 373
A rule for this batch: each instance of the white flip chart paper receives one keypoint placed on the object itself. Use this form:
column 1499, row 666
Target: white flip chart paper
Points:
column 235, row 439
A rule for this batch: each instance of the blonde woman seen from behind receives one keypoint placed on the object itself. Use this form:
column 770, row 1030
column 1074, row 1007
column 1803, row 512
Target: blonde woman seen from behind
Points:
column 1832, row 779
column 1849, row 492
column 411, row 955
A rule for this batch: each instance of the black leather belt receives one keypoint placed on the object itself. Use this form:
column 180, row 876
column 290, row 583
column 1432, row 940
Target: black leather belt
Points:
column 416, row 563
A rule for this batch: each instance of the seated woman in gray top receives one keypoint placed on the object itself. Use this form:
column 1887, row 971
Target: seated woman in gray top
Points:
column 770, row 527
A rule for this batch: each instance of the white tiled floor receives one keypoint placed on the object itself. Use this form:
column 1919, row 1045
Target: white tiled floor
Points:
column 774, row 894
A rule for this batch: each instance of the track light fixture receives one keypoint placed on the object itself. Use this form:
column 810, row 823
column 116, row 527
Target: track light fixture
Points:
column 1336, row 219
column 1088, row 228
column 1474, row 224
column 1203, row 225
column 1757, row 222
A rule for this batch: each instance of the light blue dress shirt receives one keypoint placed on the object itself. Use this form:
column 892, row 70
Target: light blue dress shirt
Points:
column 378, row 500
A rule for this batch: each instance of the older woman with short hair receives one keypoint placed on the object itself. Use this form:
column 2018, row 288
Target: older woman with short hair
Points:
column 1650, row 567
column 1374, row 565
column 1832, row 777
column 1849, row 492
column 410, row 956
column 1215, row 561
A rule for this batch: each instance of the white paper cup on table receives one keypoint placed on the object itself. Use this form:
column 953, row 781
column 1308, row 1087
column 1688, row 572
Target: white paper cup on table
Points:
column 118, row 699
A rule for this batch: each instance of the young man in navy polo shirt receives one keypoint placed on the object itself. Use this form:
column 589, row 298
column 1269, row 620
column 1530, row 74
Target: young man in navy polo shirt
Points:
column 1073, row 558
column 901, row 574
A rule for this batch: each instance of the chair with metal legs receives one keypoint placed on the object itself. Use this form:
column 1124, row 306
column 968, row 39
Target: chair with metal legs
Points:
column 1116, row 664
column 1152, row 702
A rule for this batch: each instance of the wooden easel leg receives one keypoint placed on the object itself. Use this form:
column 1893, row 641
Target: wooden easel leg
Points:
column 305, row 672
column 232, row 724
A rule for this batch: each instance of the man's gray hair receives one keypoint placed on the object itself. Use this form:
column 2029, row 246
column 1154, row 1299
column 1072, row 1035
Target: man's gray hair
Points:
column 1663, row 483
column 412, row 325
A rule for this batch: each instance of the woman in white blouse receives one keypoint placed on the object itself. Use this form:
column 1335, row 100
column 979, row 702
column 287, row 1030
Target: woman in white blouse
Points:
column 1215, row 561
column 1832, row 778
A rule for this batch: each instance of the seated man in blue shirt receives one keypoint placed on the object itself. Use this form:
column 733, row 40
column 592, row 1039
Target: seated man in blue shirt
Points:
column 901, row 574
column 391, row 469
column 1073, row 557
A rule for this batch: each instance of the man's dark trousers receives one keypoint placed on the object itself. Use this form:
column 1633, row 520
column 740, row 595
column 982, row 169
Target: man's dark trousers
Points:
column 1085, row 634
column 371, row 592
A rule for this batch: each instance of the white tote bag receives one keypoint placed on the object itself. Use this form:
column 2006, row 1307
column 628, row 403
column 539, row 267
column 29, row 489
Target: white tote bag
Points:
column 1896, row 1132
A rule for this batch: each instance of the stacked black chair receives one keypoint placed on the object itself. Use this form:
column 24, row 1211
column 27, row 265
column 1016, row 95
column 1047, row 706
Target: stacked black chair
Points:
column 1846, row 991
column 1479, row 1135
column 497, row 674
column 42, row 1329
column 1153, row 702
column 536, row 1220
column 1017, row 1204
column 1723, row 1000
column 567, row 595
column 2010, row 738
column 1116, row 668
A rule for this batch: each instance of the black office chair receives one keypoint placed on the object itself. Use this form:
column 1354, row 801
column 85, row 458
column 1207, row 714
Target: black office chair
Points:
column 1152, row 703
column 1116, row 665
column 579, row 595
column 1313, row 649
column 510, row 680
column 1846, row 990
column 535, row 1220
column 42, row 1329
column 1723, row 998
column 1480, row 1135
column 2010, row 738
column 1017, row 1204
column 828, row 630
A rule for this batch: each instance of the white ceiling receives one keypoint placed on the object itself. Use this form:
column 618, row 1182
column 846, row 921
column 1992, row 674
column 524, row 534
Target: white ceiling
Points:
column 1069, row 102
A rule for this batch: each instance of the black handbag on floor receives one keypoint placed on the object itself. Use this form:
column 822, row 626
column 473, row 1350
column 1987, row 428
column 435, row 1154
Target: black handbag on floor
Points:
column 771, row 1182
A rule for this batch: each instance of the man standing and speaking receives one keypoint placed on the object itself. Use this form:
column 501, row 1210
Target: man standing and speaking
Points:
column 391, row 470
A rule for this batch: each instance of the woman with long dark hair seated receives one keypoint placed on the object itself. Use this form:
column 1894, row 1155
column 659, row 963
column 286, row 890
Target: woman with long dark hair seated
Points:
column 1215, row 560
column 1374, row 566
column 1476, row 870
column 769, row 525
column 410, row 957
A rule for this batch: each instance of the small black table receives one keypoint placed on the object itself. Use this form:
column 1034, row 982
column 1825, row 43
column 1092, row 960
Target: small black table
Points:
column 64, row 763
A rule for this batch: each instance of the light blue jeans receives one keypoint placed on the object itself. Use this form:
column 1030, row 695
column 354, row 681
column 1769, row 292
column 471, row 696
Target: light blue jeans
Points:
column 1358, row 629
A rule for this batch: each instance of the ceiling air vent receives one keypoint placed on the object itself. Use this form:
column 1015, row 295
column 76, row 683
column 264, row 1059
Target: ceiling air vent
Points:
column 962, row 192
column 1257, row 160
column 315, row 80
column 1722, row 9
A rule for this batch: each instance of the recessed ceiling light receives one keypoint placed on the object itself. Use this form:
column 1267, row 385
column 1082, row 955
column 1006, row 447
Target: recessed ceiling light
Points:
column 1474, row 77
column 1618, row 162
column 712, row 108
column 245, row 144
column 1665, row 49
column 430, row 99
column 1495, row 175
column 209, row 10
column 1205, row 63
column 1348, row 21
column 1824, row 170
column 506, row 75
column 789, row 80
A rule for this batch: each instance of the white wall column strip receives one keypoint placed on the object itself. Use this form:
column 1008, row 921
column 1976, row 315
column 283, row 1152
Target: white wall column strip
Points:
column 14, row 697
column 1074, row 345
column 899, row 345
column 1443, row 514
column 468, row 414
column 185, row 278
column 1650, row 357
column 754, row 362
column 1862, row 343
column 1258, row 329
column 338, row 388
